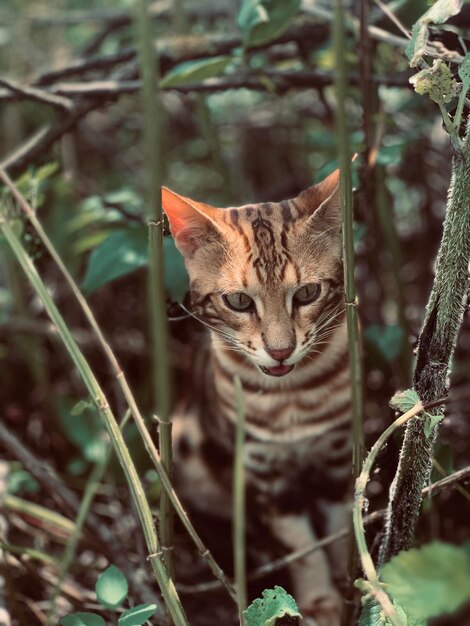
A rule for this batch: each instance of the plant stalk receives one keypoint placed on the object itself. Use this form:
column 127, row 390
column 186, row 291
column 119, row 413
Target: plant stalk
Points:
column 239, row 550
column 153, row 146
column 344, row 153
column 155, row 557
column 437, row 341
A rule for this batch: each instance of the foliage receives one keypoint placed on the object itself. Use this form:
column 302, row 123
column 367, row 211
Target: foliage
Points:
column 126, row 250
column 429, row 581
column 194, row 71
column 273, row 605
column 437, row 14
column 111, row 591
column 111, row 587
column 264, row 20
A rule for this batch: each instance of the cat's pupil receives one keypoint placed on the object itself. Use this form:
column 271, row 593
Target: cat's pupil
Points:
column 307, row 293
column 238, row 301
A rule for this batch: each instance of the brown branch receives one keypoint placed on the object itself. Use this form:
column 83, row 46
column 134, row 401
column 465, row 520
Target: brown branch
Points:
column 173, row 50
column 38, row 95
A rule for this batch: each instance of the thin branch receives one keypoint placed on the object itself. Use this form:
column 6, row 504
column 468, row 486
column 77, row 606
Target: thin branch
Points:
column 281, row 563
column 38, row 95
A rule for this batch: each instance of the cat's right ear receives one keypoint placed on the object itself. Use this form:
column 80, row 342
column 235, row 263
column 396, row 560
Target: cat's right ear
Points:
column 192, row 223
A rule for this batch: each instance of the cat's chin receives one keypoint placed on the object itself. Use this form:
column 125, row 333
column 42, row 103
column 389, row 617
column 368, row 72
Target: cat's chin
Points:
column 277, row 370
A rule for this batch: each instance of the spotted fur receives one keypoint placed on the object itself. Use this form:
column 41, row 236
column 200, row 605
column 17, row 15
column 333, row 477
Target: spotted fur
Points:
column 298, row 444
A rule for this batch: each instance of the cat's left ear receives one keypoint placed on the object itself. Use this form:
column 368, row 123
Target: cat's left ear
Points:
column 322, row 202
column 192, row 223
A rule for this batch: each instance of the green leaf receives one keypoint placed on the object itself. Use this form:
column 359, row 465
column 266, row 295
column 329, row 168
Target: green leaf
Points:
column 124, row 251
column 111, row 587
column 387, row 339
column 404, row 400
column 274, row 604
column 437, row 14
column 195, row 71
column 82, row 619
column 430, row 421
column 429, row 581
column 83, row 427
column 436, row 81
column 262, row 21
column 138, row 615
column 81, row 406
column 373, row 615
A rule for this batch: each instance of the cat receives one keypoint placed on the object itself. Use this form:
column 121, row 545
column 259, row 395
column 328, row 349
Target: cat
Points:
column 267, row 280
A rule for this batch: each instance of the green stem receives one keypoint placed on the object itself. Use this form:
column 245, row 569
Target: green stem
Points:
column 358, row 506
column 339, row 38
column 239, row 551
column 50, row 518
column 348, row 234
column 153, row 146
column 437, row 341
column 155, row 555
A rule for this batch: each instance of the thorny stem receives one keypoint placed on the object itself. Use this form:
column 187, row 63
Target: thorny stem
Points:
column 437, row 341
column 155, row 557
column 122, row 381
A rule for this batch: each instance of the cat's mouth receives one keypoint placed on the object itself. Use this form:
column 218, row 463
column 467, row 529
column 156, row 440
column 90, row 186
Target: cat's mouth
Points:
column 277, row 370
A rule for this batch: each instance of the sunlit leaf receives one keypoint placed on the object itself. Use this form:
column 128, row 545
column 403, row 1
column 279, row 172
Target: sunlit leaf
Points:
column 111, row 587
column 404, row 400
column 436, row 81
column 274, row 604
column 138, row 615
column 437, row 14
column 195, row 71
column 262, row 21
column 429, row 581
column 82, row 619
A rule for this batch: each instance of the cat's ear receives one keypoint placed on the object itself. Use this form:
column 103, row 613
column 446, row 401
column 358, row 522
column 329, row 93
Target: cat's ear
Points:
column 192, row 223
column 322, row 202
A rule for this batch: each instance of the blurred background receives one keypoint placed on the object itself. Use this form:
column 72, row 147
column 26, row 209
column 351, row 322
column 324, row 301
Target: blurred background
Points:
column 241, row 124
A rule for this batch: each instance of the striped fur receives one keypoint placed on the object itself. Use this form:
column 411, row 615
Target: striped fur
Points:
column 298, row 446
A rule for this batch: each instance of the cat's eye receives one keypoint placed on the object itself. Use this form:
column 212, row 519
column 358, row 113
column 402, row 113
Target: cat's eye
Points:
column 238, row 301
column 307, row 294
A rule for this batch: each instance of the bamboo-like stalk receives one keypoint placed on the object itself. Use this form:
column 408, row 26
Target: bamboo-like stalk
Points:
column 91, row 488
column 153, row 144
column 437, row 341
column 239, row 551
column 122, row 381
column 155, row 556
column 339, row 37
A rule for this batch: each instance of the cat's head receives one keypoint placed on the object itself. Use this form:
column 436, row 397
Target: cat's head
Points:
column 266, row 277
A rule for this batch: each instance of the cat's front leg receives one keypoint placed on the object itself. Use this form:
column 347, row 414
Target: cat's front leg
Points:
column 314, row 590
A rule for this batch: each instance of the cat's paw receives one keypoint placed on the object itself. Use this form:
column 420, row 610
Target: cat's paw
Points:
column 322, row 612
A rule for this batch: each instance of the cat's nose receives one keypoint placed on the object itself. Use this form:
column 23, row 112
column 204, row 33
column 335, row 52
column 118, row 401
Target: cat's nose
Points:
column 280, row 355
